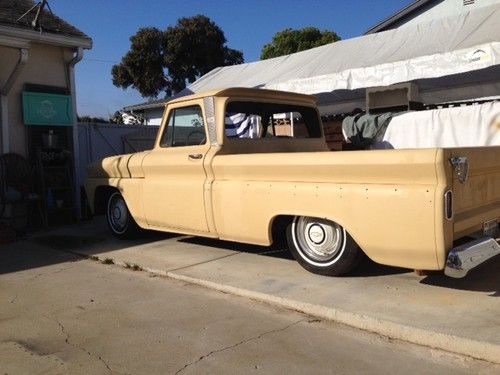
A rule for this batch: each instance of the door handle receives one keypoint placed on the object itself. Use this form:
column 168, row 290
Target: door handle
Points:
column 195, row 156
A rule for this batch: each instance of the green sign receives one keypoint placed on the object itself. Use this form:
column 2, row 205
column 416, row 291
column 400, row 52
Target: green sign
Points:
column 47, row 109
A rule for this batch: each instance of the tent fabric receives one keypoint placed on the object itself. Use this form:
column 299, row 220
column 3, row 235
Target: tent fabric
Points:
column 469, row 126
column 442, row 47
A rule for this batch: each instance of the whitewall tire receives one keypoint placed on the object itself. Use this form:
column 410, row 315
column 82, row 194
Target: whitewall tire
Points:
column 322, row 246
column 120, row 221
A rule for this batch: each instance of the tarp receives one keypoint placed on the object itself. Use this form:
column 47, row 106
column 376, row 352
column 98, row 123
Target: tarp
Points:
column 432, row 53
column 469, row 126
column 363, row 129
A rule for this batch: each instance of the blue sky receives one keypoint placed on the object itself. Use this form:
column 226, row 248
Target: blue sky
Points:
column 248, row 25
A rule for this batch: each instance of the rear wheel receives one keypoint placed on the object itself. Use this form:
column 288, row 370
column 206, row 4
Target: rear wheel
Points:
column 120, row 221
column 322, row 246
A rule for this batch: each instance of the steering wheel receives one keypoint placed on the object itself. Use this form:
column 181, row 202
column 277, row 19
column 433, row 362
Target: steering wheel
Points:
column 196, row 133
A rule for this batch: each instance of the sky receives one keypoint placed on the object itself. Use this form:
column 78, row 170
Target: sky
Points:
column 247, row 25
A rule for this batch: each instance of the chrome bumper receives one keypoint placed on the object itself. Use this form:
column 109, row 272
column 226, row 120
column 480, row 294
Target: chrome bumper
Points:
column 464, row 258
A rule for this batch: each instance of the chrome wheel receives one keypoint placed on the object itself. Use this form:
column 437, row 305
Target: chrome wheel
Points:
column 320, row 242
column 118, row 215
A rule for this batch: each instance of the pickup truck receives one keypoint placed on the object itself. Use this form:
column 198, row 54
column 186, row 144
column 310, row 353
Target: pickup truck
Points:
column 219, row 168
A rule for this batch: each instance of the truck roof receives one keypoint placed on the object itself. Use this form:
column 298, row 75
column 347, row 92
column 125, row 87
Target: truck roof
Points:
column 250, row 93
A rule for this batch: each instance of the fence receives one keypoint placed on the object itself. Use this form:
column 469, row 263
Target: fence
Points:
column 97, row 141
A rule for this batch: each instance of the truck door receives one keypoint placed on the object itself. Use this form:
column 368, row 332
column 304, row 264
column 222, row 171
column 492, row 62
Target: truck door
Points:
column 174, row 171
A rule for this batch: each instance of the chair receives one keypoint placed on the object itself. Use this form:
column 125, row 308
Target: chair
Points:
column 16, row 188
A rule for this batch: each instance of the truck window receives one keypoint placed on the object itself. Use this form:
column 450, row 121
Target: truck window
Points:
column 271, row 120
column 185, row 127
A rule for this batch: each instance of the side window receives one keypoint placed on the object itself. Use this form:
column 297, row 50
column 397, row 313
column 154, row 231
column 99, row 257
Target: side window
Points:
column 185, row 127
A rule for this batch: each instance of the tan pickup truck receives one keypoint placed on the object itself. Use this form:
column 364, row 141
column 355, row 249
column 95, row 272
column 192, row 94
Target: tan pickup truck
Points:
column 220, row 169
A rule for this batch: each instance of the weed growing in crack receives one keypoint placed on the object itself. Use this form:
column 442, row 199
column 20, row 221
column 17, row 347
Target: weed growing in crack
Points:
column 94, row 258
column 136, row 267
column 108, row 261
column 133, row 266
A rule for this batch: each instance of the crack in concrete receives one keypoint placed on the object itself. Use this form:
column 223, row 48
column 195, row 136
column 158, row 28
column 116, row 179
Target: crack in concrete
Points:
column 204, row 262
column 62, row 269
column 50, row 273
column 13, row 300
column 238, row 344
column 66, row 340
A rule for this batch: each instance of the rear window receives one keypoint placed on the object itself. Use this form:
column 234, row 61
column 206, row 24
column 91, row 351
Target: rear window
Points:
column 255, row 120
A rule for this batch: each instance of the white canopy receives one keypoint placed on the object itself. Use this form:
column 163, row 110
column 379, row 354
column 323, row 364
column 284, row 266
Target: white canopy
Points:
column 431, row 54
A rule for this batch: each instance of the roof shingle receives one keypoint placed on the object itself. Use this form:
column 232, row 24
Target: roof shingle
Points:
column 11, row 10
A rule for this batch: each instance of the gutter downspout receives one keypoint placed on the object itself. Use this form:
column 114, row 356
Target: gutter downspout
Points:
column 76, row 147
column 4, row 99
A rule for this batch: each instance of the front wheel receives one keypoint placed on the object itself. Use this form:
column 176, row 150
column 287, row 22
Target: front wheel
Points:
column 322, row 246
column 120, row 221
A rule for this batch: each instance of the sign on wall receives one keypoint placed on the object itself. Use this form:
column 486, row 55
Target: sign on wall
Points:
column 47, row 109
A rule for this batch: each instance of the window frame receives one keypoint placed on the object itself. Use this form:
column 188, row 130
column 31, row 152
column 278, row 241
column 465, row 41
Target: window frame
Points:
column 171, row 115
column 271, row 102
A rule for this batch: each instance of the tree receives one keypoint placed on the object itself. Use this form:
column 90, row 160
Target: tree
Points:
column 91, row 119
column 142, row 67
column 117, row 118
column 290, row 41
column 166, row 60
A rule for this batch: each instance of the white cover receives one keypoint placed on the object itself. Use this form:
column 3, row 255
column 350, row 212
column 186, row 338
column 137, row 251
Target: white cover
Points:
column 474, row 125
column 460, row 44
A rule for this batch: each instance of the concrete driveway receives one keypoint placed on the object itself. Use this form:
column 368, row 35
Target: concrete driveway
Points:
column 458, row 316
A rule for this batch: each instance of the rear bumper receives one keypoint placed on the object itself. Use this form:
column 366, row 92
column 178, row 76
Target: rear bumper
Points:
column 464, row 258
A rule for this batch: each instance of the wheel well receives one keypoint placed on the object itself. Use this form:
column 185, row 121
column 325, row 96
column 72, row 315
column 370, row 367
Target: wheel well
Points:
column 278, row 230
column 102, row 193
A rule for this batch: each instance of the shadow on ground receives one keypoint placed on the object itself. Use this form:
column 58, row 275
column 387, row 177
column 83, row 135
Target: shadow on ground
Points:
column 273, row 252
column 93, row 238
column 22, row 257
column 367, row 268
column 37, row 250
column 483, row 279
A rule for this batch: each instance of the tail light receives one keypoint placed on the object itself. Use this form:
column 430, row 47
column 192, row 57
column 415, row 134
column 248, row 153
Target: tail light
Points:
column 448, row 205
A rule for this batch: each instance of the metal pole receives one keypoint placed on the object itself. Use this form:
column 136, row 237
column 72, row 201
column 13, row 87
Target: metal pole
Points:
column 76, row 146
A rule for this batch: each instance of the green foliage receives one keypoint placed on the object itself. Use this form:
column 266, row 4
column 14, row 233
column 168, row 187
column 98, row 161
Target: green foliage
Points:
column 290, row 41
column 142, row 68
column 116, row 118
column 195, row 46
column 91, row 119
column 166, row 60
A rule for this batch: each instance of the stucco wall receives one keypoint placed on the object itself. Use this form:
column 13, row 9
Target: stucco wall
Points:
column 46, row 65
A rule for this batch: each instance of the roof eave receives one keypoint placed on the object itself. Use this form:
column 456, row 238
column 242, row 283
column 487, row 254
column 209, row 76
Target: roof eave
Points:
column 141, row 107
column 60, row 40
column 396, row 17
